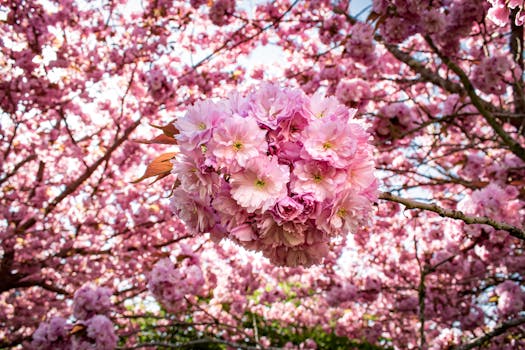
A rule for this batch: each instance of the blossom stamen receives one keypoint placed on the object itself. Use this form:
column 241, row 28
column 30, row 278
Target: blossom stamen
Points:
column 237, row 145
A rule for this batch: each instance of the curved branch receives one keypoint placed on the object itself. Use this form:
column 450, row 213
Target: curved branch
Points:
column 513, row 145
column 455, row 214
column 494, row 333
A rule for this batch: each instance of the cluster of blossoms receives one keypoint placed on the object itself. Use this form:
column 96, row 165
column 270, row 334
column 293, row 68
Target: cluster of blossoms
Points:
column 494, row 73
column 276, row 170
column 394, row 120
column 510, row 298
column 331, row 30
column 221, row 11
column 355, row 93
column 158, row 85
column 494, row 201
column 93, row 330
column 172, row 284
column 500, row 11
column 360, row 43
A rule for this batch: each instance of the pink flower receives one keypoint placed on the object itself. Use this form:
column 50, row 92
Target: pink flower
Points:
column 353, row 92
column 52, row 335
column 230, row 213
column 100, row 328
column 499, row 14
column 329, row 141
column 360, row 174
column 317, row 178
column 193, row 210
column 493, row 74
column 221, row 11
column 196, row 128
column 195, row 176
column 237, row 140
column 308, row 202
column 287, row 209
column 342, row 216
column 262, row 169
column 169, row 283
column 90, row 300
column 261, row 184
column 275, row 235
column 510, row 298
column 270, row 104
column 360, row 45
column 340, row 293
column 320, row 106
column 244, row 233
column 299, row 256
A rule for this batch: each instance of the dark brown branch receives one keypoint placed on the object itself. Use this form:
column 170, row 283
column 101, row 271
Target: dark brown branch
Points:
column 516, row 49
column 17, row 167
column 455, row 214
column 73, row 186
column 494, row 333
column 480, row 105
column 175, row 240
column 425, row 73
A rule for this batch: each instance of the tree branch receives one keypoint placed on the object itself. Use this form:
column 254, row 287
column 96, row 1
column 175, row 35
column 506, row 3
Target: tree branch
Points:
column 516, row 49
column 494, row 333
column 455, row 214
column 72, row 187
column 17, row 167
column 513, row 145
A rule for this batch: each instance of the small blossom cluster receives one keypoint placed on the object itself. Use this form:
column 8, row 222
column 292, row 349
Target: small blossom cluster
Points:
column 158, row 84
column 394, row 120
column 276, row 170
column 495, row 202
column 360, row 43
column 89, row 301
column 330, row 31
column 93, row 329
column 510, row 298
column 499, row 12
column 171, row 284
column 494, row 73
column 221, row 11
column 354, row 93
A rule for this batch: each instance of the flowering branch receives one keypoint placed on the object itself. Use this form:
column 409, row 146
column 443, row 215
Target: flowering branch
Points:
column 513, row 145
column 455, row 214
column 497, row 331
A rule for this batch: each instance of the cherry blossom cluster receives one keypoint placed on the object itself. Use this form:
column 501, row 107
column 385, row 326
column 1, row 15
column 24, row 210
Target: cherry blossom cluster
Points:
column 360, row 44
column 93, row 329
column 172, row 284
column 394, row 120
column 354, row 93
column 511, row 298
column 276, row 170
column 500, row 11
column 220, row 10
column 494, row 73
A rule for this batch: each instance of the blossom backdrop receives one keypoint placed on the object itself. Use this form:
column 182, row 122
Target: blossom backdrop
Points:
column 90, row 260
